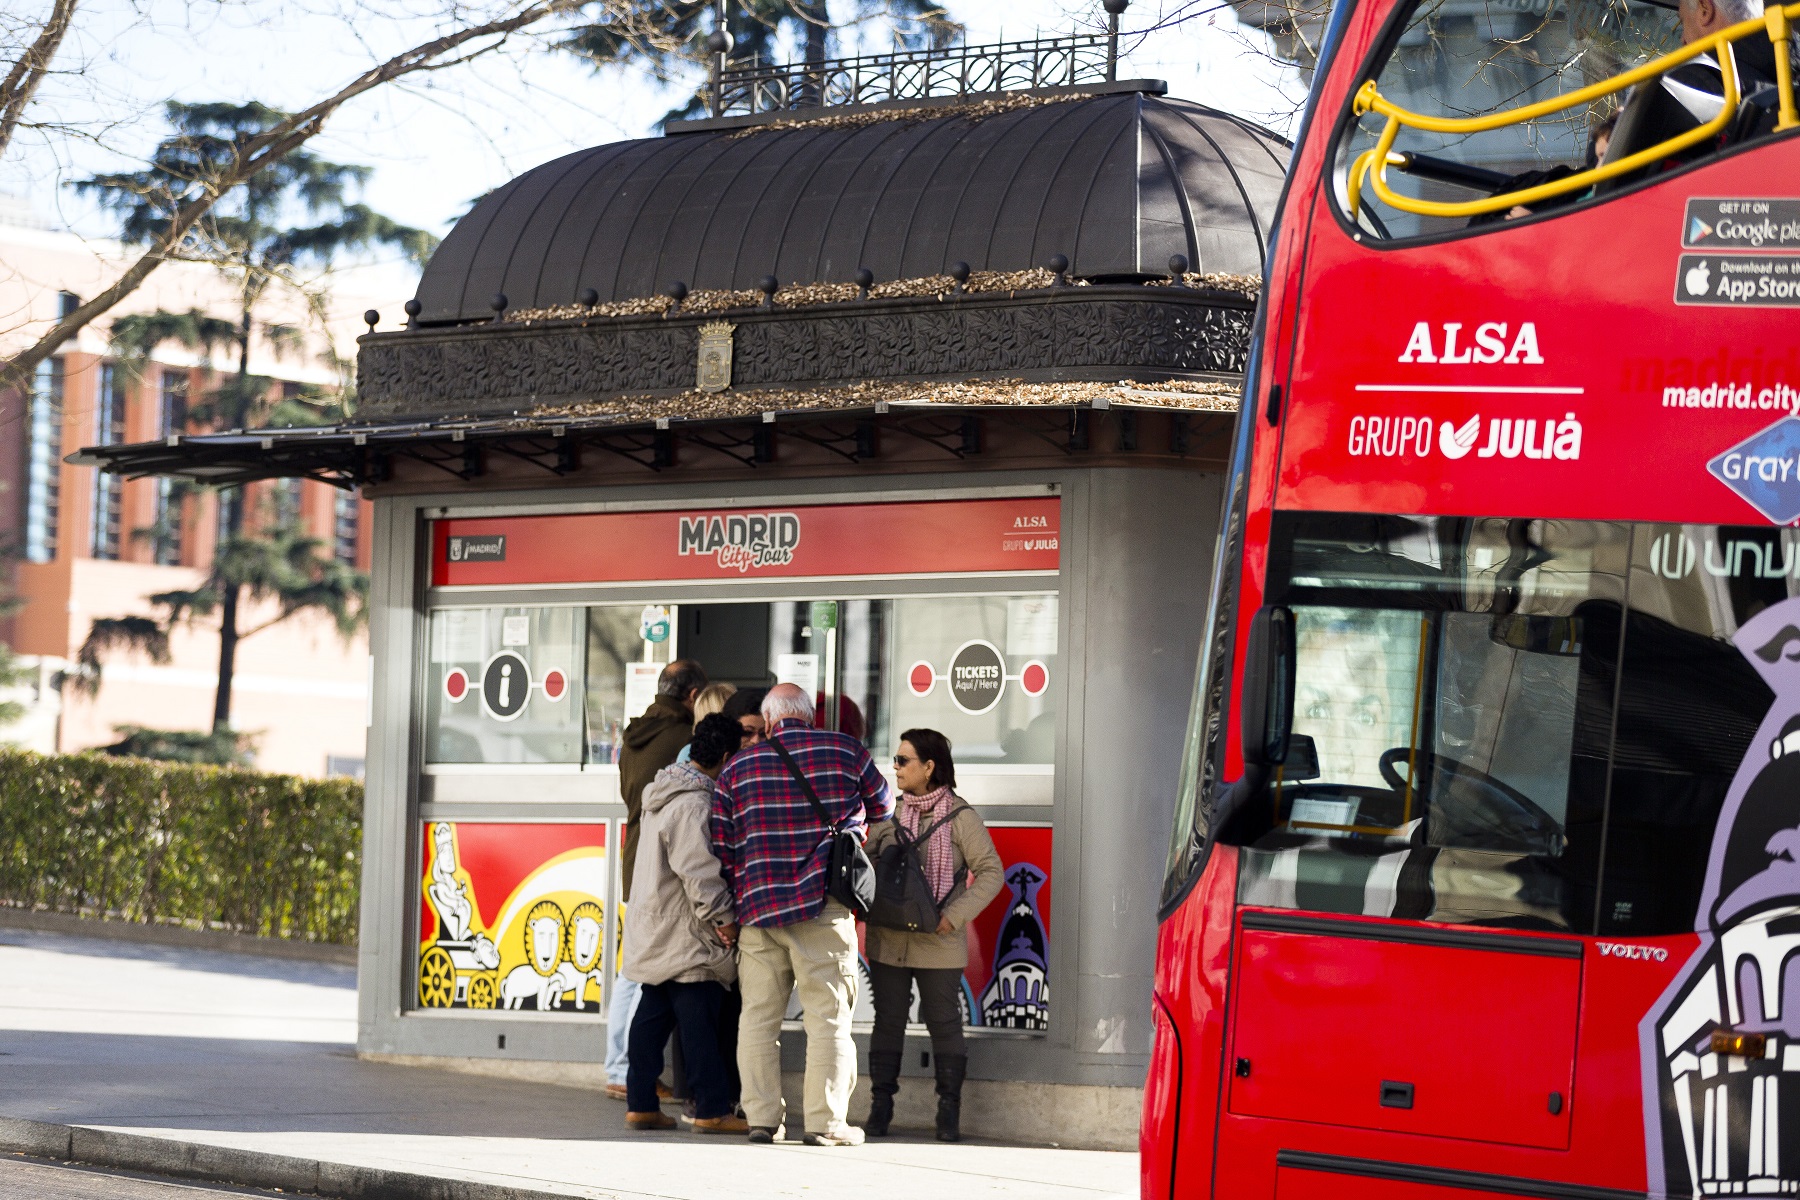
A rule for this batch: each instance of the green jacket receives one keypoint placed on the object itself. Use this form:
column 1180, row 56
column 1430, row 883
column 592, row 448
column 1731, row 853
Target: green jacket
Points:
column 651, row 743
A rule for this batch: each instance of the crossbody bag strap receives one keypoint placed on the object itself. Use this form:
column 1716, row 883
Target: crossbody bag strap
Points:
column 918, row 838
column 805, row 784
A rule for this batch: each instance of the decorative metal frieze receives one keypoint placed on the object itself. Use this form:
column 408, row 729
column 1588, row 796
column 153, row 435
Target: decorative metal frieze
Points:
column 713, row 373
column 1080, row 333
column 746, row 88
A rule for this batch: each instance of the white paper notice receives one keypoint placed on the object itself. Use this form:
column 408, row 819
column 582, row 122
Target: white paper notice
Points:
column 1031, row 625
column 640, row 687
column 459, row 635
column 801, row 670
column 515, row 631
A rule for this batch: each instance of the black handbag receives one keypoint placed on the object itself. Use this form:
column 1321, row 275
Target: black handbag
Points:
column 903, row 898
column 849, row 875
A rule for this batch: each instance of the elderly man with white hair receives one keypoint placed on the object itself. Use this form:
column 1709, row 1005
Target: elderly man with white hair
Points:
column 774, row 850
column 1694, row 92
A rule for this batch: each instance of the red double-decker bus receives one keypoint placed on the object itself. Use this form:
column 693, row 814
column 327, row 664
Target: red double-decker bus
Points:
column 1486, row 865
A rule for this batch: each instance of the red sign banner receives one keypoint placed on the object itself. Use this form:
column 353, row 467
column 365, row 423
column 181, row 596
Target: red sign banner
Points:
column 775, row 542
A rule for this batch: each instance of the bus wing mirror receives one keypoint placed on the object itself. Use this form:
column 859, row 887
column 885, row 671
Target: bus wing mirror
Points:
column 1268, row 693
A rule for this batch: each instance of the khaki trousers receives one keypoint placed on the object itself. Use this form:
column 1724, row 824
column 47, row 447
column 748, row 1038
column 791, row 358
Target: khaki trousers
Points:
column 819, row 958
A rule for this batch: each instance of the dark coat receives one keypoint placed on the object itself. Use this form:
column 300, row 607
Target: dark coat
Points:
column 651, row 743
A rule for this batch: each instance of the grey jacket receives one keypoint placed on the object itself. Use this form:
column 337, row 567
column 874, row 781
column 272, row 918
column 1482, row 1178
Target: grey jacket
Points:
column 678, row 893
column 975, row 853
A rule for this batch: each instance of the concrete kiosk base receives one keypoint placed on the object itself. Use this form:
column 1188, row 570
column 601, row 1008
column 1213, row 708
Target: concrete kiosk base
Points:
column 1048, row 1114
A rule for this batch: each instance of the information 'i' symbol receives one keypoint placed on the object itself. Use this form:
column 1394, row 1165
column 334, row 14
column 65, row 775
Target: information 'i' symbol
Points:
column 505, row 686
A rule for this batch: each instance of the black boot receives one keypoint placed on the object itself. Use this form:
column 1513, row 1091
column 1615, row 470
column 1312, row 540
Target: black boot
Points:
column 884, row 1076
column 950, row 1071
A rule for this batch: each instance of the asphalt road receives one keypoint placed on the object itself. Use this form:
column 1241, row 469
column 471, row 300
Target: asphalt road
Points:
column 40, row 1179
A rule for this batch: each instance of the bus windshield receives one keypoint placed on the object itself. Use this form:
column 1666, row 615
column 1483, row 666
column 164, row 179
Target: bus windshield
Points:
column 1491, row 714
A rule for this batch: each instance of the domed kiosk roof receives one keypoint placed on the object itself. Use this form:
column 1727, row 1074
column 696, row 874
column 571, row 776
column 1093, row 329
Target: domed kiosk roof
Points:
column 1116, row 182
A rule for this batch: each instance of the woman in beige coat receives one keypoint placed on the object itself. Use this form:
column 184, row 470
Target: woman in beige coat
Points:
column 680, row 929
column 964, row 873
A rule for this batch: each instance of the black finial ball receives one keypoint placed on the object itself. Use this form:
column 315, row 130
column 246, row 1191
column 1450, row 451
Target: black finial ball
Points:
column 498, row 303
column 959, row 271
column 1058, row 263
column 1115, row 7
column 589, row 297
column 865, row 278
column 1178, row 265
column 413, row 308
column 720, row 41
column 678, row 291
column 370, row 317
column 769, row 285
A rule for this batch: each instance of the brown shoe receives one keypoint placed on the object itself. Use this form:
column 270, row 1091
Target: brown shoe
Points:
column 616, row 1091
column 725, row 1124
column 649, row 1120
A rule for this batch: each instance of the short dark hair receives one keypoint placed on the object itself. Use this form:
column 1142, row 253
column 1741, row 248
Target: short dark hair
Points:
column 934, row 748
column 745, row 702
column 716, row 738
column 681, row 678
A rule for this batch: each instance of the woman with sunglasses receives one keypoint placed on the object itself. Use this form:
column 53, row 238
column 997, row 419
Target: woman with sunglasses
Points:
column 963, row 872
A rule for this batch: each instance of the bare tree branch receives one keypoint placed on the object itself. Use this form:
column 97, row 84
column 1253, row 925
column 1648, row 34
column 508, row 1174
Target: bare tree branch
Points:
column 260, row 152
column 22, row 81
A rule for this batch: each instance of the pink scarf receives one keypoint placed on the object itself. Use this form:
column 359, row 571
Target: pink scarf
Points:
column 938, row 855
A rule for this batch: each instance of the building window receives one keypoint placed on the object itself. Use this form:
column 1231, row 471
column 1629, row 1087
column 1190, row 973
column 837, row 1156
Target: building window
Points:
column 172, row 407
column 345, row 511
column 231, row 501
column 109, row 429
column 287, row 504
column 66, row 304
column 166, row 535
column 43, row 465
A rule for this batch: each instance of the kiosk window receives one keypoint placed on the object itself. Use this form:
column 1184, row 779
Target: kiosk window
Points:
column 978, row 669
column 504, row 685
column 627, row 646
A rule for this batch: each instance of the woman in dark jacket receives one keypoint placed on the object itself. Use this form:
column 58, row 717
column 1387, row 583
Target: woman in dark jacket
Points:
column 964, row 872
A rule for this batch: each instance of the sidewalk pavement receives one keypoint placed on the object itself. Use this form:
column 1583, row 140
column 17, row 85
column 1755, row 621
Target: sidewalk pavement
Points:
column 231, row 1059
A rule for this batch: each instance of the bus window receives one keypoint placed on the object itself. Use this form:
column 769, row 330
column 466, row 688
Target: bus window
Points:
column 1469, row 58
column 1450, row 718
column 1689, row 704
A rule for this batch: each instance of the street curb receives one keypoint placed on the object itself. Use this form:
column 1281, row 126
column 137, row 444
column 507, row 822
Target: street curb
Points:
column 245, row 1168
column 174, row 935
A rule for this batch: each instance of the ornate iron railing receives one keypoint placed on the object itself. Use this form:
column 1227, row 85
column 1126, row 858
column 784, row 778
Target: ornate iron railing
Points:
column 747, row 89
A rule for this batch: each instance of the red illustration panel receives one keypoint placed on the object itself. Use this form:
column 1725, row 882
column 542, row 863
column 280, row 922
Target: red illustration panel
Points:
column 512, row 916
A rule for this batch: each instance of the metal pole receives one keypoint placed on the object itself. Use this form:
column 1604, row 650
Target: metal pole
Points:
column 1113, row 9
column 720, row 44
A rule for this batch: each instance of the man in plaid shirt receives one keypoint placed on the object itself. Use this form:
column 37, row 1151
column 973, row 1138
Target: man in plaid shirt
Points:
column 774, row 851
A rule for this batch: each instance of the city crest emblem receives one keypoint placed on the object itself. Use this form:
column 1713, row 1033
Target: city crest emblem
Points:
column 714, row 370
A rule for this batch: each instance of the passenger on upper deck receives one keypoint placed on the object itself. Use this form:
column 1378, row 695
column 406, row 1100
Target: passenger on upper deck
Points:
column 1693, row 93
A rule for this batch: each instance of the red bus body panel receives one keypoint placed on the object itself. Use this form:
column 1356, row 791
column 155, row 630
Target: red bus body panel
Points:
column 1385, row 1036
column 1323, row 1020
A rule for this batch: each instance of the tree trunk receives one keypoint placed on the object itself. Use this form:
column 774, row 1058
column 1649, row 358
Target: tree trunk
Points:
column 228, row 640
column 818, row 25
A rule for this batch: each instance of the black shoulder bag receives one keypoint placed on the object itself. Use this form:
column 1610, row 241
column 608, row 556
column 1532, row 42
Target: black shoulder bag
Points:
column 849, row 876
column 903, row 898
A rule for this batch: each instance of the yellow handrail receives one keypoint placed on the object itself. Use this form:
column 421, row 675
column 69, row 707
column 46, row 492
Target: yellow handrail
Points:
column 1373, row 163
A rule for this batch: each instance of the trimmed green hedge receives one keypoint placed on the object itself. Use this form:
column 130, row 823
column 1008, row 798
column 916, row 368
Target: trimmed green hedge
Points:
column 216, row 847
